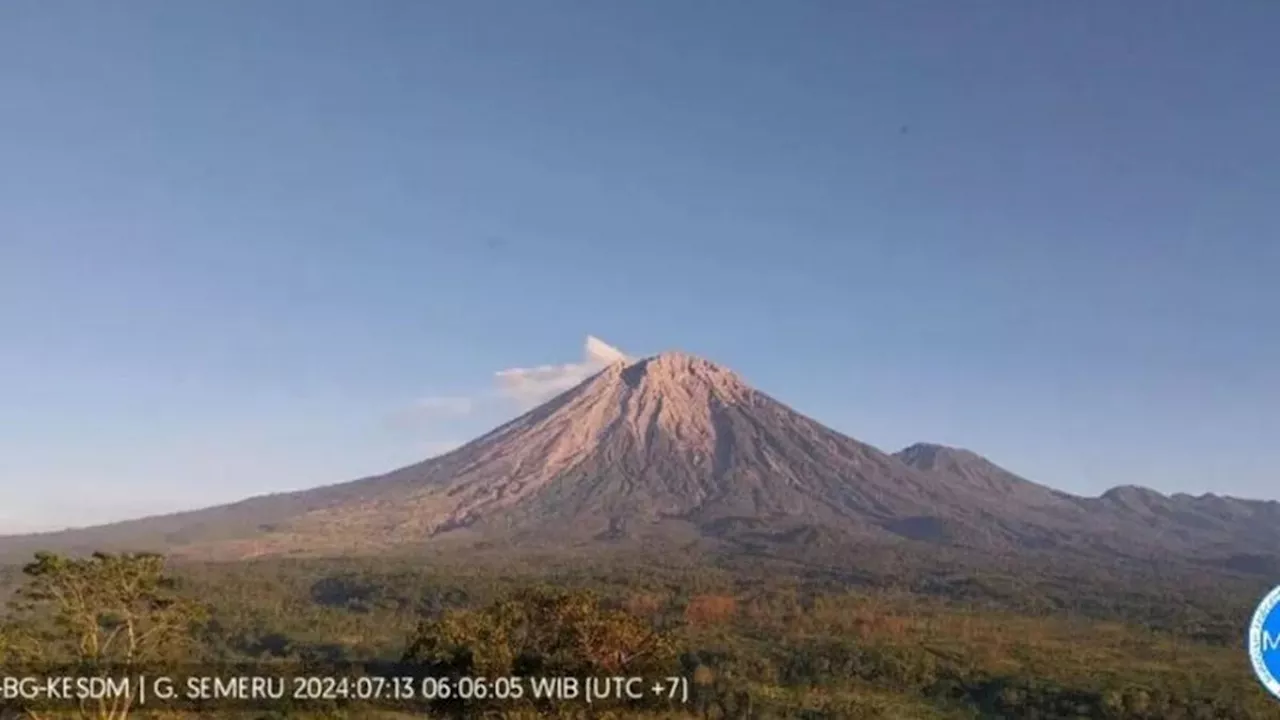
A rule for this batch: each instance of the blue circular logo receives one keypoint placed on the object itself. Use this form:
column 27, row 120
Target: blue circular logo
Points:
column 1264, row 642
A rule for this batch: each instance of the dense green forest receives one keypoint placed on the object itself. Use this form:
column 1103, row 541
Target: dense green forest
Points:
column 748, row 637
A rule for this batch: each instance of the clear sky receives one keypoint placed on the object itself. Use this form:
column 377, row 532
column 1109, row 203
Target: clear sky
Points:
column 252, row 246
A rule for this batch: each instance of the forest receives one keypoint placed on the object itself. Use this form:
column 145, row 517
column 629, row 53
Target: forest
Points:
column 747, row 638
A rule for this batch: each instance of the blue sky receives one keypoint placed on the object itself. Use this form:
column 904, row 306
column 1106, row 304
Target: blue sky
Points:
column 247, row 247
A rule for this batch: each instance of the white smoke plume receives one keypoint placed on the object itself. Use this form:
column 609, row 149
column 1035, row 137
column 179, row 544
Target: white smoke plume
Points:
column 531, row 386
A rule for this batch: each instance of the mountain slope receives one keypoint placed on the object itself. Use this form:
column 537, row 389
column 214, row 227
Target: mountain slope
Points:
column 677, row 448
column 671, row 438
column 1126, row 519
column 978, row 474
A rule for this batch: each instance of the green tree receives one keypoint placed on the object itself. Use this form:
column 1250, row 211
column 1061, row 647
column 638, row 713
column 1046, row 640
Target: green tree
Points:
column 92, row 614
column 540, row 633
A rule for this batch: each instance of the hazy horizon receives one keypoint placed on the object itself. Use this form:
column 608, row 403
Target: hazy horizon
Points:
column 249, row 248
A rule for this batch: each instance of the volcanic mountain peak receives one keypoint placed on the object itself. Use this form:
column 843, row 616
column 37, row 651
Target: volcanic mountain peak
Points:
column 964, row 467
column 555, row 465
column 927, row 456
column 684, row 378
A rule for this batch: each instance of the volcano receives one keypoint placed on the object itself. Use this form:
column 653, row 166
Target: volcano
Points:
column 674, row 446
column 667, row 438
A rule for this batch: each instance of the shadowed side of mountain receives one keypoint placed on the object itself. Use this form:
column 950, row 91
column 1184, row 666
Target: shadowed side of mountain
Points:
column 969, row 469
column 1125, row 519
column 1236, row 530
column 1036, row 515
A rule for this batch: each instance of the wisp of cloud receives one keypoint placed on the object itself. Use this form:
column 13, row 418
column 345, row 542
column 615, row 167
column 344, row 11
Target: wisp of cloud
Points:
column 531, row 386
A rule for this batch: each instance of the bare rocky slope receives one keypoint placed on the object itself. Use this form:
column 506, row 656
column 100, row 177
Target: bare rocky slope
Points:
column 677, row 448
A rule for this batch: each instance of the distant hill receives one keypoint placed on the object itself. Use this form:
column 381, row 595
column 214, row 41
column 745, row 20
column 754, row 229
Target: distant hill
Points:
column 676, row 449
